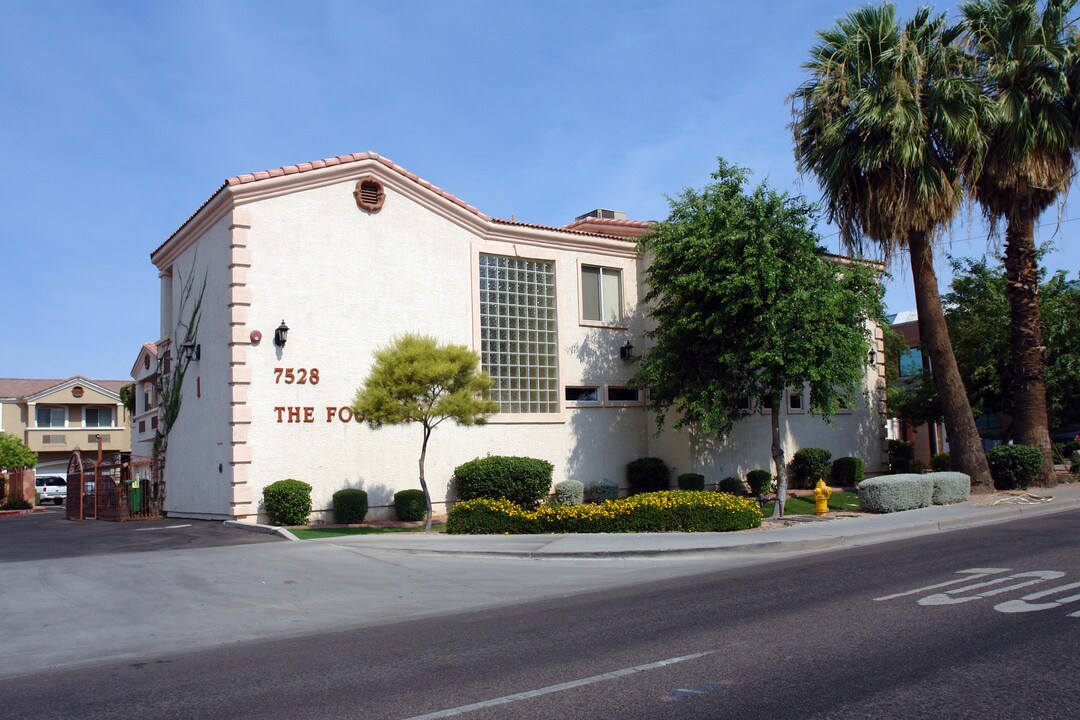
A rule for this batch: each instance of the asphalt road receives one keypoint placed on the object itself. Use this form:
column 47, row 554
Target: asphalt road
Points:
column 49, row 535
column 897, row 630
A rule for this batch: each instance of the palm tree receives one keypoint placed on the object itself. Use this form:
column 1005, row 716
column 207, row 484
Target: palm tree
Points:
column 887, row 121
column 1024, row 58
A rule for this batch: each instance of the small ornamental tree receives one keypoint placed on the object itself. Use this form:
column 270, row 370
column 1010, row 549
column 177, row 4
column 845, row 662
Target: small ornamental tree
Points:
column 417, row 380
column 746, row 304
column 14, row 455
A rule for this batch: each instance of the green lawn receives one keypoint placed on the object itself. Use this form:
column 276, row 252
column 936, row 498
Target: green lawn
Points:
column 840, row 500
column 312, row 533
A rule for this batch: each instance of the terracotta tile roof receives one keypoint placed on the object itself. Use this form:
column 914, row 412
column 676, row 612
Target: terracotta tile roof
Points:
column 21, row 387
column 613, row 222
column 567, row 229
column 150, row 348
column 313, row 165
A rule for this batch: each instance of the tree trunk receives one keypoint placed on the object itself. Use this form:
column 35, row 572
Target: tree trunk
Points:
column 1030, row 424
column 965, row 447
column 423, row 483
column 778, row 458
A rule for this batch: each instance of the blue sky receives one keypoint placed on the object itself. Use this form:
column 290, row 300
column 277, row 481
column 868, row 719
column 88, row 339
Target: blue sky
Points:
column 121, row 118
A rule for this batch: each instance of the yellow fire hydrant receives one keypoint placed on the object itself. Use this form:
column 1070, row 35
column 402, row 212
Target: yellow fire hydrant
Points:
column 821, row 497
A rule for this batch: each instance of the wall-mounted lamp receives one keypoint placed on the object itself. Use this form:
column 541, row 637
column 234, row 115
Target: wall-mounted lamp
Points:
column 281, row 334
column 873, row 356
column 191, row 351
column 626, row 351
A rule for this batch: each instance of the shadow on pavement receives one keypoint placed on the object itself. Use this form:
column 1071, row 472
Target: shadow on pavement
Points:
column 49, row 535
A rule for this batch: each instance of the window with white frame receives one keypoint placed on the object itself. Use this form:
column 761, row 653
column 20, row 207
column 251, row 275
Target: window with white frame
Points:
column 50, row 416
column 601, row 294
column 98, row 417
column 616, row 394
column 795, row 400
column 582, row 394
column 519, row 333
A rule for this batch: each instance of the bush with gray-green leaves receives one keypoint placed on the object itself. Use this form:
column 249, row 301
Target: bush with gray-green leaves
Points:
column 569, row 492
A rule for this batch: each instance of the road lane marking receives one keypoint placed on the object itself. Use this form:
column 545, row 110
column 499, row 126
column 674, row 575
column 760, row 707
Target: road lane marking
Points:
column 1024, row 604
column 973, row 574
column 559, row 688
column 944, row 599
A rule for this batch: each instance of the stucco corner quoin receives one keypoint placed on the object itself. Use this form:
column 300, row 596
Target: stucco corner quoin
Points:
column 240, row 456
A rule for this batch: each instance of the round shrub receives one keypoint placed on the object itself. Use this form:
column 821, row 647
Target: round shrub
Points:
column 808, row 466
column 691, row 481
column 941, row 462
column 950, row 487
column 847, row 471
column 648, row 474
column 602, row 490
column 409, row 505
column 287, row 502
column 521, row 480
column 731, row 484
column 1014, row 467
column 569, row 492
column 760, row 481
column 350, row 506
column 901, row 456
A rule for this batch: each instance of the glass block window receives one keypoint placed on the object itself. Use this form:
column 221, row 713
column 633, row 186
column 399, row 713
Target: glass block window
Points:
column 518, row 339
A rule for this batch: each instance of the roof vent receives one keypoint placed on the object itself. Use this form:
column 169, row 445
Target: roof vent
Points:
column 369, row 193
column 603, row 214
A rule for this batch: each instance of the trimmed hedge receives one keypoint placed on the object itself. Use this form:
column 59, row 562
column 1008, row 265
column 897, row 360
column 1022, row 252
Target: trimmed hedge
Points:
column 732, row 485
column 901, row 455
column 409, row 505
column 521, row 480
column 893, row 493
column 666, row 511
column 950, row 487
column 942, row 462
column 602, row 490
column 808, row 466
column 760, row 481
column 350, row 506
column 1014, row 467
column 647, row 474
column 569, row 492
column 287, row 502
column 847, row 471
column 691, row 481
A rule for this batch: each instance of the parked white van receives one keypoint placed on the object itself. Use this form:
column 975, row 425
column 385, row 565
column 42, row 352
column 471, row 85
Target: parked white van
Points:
column 51, row 487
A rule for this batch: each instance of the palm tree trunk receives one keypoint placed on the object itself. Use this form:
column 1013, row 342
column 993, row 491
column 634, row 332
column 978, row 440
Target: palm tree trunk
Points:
column 1030, row 424
column 965, row 447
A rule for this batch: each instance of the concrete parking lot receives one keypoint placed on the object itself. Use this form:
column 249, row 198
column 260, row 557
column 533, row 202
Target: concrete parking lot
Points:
column 48, row 535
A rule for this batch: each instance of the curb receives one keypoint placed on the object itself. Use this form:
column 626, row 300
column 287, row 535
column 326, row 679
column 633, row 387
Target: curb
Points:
column 262, row 529
column 870, row 536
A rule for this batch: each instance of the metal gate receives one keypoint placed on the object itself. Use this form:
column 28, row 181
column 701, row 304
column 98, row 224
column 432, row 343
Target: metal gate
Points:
column 119, row 487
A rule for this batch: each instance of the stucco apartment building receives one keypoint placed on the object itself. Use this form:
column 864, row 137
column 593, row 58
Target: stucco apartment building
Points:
column 305, row 270
column 54, row 417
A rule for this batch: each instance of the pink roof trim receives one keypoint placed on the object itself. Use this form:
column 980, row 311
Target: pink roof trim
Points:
column 313, row 165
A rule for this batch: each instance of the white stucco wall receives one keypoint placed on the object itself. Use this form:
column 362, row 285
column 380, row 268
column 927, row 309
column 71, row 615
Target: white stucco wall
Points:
column 346, row 282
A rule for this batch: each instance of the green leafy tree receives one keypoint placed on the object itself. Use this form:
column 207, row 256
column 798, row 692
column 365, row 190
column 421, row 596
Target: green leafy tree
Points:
column 888, row 123
column 1024, row 59
column 14, row 454
column 980, row 328
column 417, row 380
column 746, row 305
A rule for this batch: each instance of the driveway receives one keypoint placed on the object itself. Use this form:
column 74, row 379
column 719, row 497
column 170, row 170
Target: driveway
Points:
column 49, row 535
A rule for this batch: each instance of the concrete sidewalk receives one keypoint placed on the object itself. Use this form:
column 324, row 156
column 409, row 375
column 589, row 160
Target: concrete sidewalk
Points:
column 793, row 533
column 78, row 611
